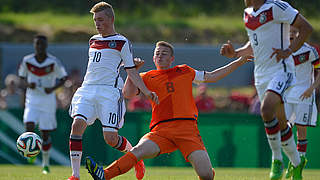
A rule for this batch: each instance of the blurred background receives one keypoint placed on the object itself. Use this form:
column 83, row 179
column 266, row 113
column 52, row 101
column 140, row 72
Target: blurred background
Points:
column 229, row 109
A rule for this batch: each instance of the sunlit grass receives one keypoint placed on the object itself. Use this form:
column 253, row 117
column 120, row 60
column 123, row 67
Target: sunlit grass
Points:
column 152, row 173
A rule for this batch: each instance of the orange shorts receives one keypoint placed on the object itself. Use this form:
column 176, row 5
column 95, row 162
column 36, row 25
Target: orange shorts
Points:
column 179, row 134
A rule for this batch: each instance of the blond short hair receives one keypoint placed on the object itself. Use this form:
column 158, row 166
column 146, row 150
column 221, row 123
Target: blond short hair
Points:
column 103, row 6
column 165, row 44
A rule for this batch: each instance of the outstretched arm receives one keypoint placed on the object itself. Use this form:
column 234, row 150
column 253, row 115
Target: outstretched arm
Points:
column 222, row 72
column 228, row 50
column 129, row 90
column 133, row 82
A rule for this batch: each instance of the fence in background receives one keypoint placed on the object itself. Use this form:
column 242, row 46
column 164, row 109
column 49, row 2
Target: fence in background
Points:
column 75, row 56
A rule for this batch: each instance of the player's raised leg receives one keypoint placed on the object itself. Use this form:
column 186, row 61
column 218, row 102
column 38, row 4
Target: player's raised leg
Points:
column 122, row 144
column 202, row 165
column 144, row 149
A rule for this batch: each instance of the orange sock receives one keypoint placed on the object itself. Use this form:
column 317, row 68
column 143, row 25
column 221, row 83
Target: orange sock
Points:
column 120, row 166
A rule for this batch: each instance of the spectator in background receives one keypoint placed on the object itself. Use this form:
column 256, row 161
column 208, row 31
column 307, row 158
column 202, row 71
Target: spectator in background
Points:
column 139, row 103
column 239, row 102
column 204, row 102
column 255, row 104
column 11, row 95
column 65, row 93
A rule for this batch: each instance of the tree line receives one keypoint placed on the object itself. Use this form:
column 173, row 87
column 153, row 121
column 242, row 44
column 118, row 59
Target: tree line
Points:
column 145, row 7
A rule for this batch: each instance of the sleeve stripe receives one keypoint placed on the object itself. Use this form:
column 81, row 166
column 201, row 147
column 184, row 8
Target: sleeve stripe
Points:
column 129, row 67
column 315, row 52
column 281, row 5
column 295, row 18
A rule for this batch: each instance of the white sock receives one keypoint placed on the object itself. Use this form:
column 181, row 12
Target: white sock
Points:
column 275, row 145
column 123, row 144
column 289, row 146
column 75, row 157
column 128, row 146
column 45, row 158
column 274, row 138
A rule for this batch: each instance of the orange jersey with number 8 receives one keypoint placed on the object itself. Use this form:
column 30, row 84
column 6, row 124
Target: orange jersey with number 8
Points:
column 174, row 89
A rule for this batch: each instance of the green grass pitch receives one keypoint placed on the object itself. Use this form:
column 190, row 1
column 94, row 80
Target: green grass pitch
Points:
column 28, row 172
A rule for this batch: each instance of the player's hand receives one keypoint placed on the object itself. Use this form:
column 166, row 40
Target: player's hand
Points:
column 48, row 90
column 281, row 54
column 245, row 59
column 32, row 85
column 306, row 94
column 138, row 62
column 228, row 50
column 153, row 96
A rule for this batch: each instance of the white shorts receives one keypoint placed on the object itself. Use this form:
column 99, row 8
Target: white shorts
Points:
column 101, row 102
column 278, row 84
column 301, row 114
column 46, row 120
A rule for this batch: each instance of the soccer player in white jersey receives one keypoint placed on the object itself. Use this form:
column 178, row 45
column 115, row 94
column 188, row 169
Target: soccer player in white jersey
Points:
column 39, row 72
column 268, row 23
column 300, row 103
column 100, row 96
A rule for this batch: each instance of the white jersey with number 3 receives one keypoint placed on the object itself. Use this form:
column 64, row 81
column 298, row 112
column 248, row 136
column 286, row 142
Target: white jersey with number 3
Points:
column 106, row 55
column 268, row 28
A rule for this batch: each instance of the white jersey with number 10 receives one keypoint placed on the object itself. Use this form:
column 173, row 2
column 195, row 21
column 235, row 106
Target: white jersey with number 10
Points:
column 106, row 55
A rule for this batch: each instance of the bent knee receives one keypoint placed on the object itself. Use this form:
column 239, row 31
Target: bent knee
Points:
column 111, row 139
column 267, row 110
column 78, row 127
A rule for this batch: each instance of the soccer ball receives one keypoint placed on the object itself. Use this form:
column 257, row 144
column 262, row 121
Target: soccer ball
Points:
column 29, row 144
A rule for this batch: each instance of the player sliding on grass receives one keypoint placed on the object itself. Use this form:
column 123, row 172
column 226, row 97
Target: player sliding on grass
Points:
column 174, row 120
column 268, row 23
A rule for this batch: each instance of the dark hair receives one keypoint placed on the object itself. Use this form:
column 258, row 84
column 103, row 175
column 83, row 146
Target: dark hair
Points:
column 40, row 36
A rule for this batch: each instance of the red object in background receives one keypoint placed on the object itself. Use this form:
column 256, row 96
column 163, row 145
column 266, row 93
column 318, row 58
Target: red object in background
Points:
column 205, row 103
column 235, row 96
column 139, row 103
column 317, row 46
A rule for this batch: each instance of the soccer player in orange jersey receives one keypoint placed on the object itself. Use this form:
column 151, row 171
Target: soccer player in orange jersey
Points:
column 174, row 119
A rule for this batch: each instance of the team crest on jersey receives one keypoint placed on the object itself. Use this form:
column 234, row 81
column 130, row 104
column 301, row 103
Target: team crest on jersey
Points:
column 253, row 22
column 301, row 58
column 263, row 18
column 112, row 44
column 107, row 44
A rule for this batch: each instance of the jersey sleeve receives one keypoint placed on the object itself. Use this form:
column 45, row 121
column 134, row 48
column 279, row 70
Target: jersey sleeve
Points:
column 284, row 12
column 22, row 71
column 314, row 57
column 60, row 70
column 199, row 77
column 126, row 55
